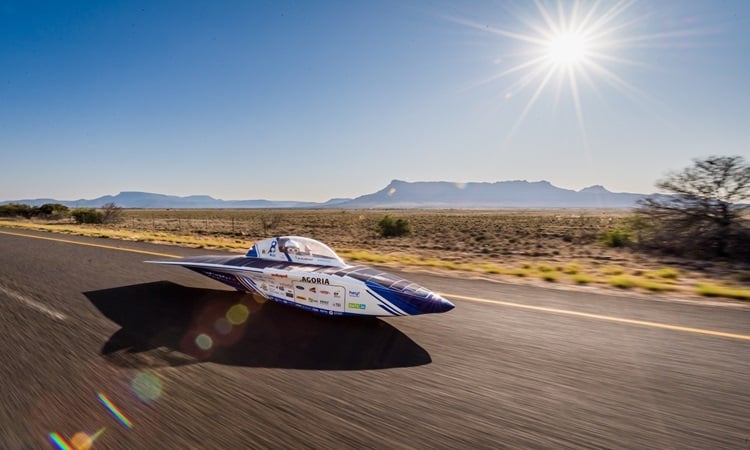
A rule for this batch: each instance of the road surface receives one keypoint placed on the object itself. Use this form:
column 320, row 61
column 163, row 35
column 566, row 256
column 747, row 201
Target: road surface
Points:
column 509, row 367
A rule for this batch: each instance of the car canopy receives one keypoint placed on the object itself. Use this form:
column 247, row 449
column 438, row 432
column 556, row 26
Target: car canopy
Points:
column 295, row 249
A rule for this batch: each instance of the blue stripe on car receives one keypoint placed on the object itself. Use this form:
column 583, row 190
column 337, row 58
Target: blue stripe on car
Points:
column 385, row 303
column 388, row 309
column 405, row 303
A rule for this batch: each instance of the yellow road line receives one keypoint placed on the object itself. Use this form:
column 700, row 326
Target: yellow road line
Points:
column 663, row 326
column 600, row 317
column 109, row 247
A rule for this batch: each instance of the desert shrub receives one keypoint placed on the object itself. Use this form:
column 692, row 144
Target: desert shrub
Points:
column 545, row 268
column 655, row 287
column 582, row 278
column 389, row 227
column 668, row 273
column 616, row 238
column 54, row 211
column 87, row 215
column 492, row 269
column 17, row 210
column 622, row 281
column 111, row 213
column 549, row 276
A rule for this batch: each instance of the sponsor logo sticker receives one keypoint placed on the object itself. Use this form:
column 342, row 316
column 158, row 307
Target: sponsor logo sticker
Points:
column 323, row 302
column 300, row 297
column 316, row 280
column 290, row 295
column 336, row 294
column 280, row 275
column 325, row 292
column 301, row 288
column 312, row 289
column 356, row 306
column 354, row 294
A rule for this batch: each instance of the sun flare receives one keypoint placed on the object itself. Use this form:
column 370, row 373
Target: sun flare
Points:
column 570, row 46
column 567, row 48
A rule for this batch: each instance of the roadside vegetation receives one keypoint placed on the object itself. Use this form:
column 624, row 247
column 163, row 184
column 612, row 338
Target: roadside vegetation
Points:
column 546, row 247
column 609, row 249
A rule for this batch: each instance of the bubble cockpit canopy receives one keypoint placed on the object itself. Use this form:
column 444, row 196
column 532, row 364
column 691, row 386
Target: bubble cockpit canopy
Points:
column 295, row 249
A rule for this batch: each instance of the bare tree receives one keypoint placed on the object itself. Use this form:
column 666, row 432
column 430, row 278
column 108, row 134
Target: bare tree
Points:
column 111, row 213
column 704, row 215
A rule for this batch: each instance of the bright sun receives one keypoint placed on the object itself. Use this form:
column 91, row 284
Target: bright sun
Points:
column 568, row 45
column 567, row 49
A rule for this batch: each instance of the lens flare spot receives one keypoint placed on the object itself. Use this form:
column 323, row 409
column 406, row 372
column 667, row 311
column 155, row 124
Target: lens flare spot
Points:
column 59, row 442
column 114, row 411
column 222, row 326
column 81, row 441
column 237, row 314
column 391, row 191
column 146, row 386
column 204, row 341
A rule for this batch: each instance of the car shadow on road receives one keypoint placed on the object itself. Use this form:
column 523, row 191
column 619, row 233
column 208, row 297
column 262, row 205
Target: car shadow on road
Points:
column 166, row 324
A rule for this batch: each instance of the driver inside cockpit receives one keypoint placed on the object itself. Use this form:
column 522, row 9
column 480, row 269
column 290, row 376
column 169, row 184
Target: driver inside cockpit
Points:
column 291, row 247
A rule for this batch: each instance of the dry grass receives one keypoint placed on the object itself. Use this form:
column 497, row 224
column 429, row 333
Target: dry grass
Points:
column 549, row 276
column 582, row 278
column 712, row 290
column 622, row 281
column 554, row 246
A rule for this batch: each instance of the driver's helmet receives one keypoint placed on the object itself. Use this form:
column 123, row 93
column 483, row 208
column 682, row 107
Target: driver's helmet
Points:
column 290, row 246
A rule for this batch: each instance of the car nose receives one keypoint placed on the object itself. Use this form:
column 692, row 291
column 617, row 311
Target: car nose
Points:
column 438, row 304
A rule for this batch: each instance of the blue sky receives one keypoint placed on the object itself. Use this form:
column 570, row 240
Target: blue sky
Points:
column 313, row 100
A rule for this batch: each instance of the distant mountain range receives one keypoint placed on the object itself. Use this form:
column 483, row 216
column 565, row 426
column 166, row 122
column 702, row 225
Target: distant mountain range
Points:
column 398, row 194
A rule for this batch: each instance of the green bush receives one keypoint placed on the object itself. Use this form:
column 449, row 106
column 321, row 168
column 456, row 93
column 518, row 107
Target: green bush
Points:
column 47, row 210
column 87, row 215
column 389, row 227
column 616, row 238
column 17, row 210
column 53, row 210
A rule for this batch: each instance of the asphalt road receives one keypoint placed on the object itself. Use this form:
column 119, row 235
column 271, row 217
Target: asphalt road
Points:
column 540, row 369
